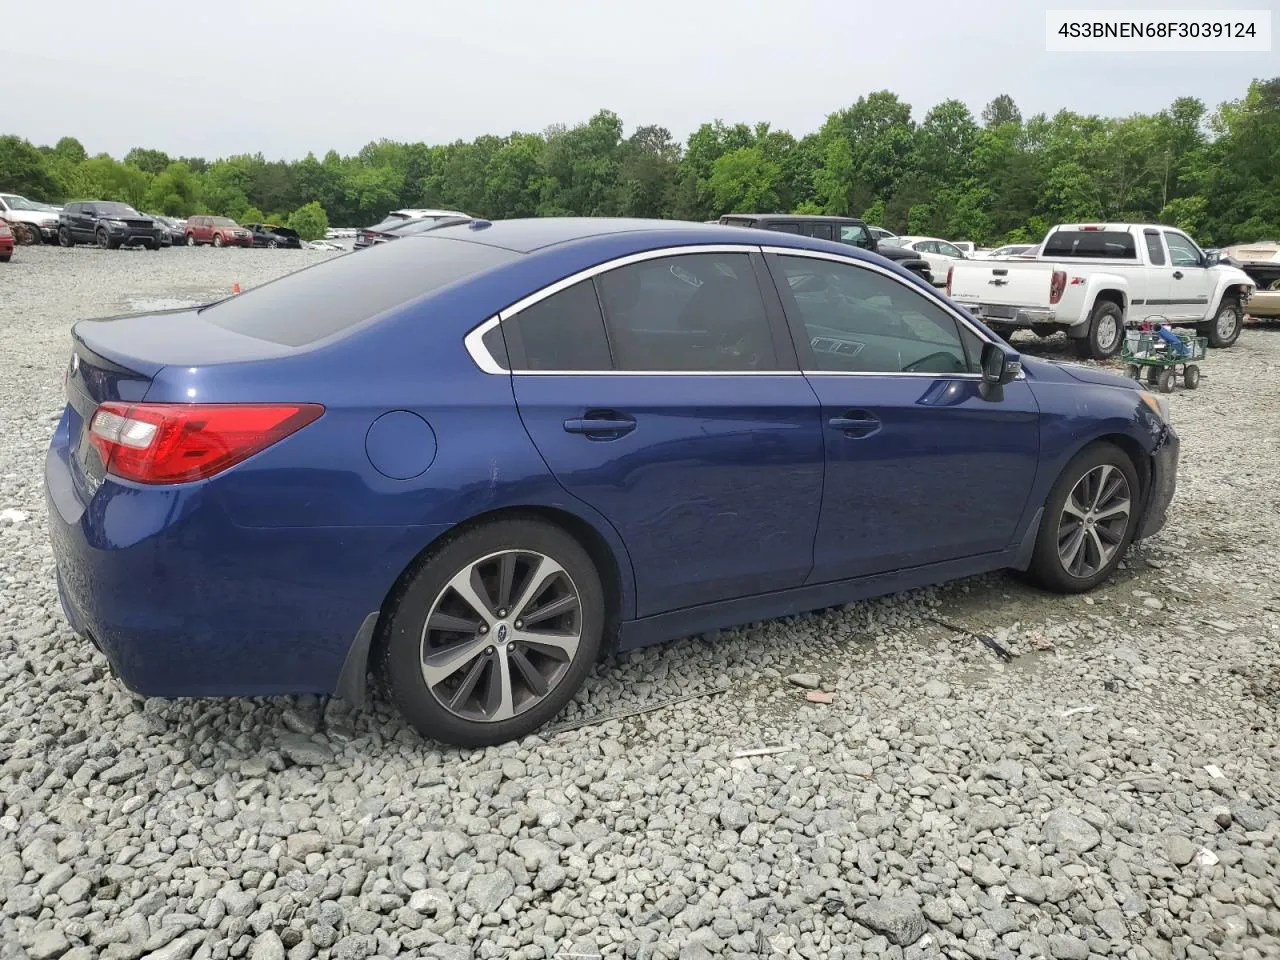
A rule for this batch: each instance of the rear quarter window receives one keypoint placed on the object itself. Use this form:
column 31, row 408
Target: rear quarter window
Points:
column 319, row 301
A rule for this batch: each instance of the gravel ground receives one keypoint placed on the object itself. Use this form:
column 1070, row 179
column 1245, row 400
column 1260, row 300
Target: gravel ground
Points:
column 1111, row 790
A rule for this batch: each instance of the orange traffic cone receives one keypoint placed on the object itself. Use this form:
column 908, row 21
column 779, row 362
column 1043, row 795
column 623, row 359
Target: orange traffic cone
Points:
column 235, row 288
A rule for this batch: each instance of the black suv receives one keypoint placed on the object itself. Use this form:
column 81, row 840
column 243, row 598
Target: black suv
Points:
column 107, row 223
column 848, row 230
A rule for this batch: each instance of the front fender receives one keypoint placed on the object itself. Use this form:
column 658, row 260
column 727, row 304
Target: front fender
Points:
column 1231, row 277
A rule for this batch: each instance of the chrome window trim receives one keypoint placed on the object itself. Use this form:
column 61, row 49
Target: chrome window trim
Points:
column 474, row 344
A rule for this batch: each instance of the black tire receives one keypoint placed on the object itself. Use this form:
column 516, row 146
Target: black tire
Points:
column 4, row 258
column 1106, row 332
column 1153, row 375
column 271, row 244
column 1165, row 383
column 1047, row 569
column 1229, row 315
column 104, row 240
column 399, row 660
column 217, row 239
column 64, row 238
column 1191, row 376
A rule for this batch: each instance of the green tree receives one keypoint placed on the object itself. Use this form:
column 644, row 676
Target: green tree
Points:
column 745, row 180
column 310, row 221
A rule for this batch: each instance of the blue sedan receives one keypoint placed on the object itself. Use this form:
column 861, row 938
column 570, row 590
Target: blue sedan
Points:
column 477, row 460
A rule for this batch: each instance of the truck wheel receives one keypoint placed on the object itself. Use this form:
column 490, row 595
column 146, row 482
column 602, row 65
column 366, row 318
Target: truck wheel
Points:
column 1224, row 329
column 1106, row 332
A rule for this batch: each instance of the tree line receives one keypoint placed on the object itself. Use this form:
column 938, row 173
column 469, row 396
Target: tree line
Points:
column 995, row 178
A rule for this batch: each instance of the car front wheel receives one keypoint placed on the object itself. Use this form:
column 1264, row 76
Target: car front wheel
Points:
column 494, row 633
column 1228, row 321
column 217, row 239
column 1088, row 522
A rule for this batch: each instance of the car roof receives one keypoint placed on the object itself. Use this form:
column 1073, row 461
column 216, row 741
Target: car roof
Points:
column 530, row 235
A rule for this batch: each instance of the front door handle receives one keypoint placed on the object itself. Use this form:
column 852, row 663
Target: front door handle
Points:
column 602, row 427
column 1177, row 274
column 855, row 423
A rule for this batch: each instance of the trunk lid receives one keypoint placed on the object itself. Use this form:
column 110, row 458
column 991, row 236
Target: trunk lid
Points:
column 1002, row 283
column 117, row 358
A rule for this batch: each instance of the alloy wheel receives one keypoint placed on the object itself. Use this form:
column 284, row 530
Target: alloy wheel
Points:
column 1094, row 519
column 1108, row 333
column 501, row 635
column 1226, row 322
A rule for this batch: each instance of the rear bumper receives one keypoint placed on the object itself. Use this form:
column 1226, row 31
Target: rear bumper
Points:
column 184, row 602
column 1164, row 483
column 999, row 315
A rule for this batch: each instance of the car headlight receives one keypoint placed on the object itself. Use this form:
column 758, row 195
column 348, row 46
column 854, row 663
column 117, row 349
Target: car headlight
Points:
column 116, row 223
column 1156, row 403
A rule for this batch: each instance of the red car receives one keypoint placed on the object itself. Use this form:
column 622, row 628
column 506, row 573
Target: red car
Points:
column 220, row 231
column 6, row 241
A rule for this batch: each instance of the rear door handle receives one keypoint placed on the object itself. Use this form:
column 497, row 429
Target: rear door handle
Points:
column 1177, row 274
column 600, row 426
column 855, row 423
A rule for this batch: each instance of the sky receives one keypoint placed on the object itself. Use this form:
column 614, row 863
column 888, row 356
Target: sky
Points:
column 283, row 77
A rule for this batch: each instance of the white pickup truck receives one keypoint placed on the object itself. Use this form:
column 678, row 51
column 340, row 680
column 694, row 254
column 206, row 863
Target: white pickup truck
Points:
column 1093, row 280
column 20, row 210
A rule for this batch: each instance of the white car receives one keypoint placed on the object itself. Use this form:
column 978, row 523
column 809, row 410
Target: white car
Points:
column 415, row 213
column 881, row 234
column 1093, row 280
column 31, row 214
column 940, row 254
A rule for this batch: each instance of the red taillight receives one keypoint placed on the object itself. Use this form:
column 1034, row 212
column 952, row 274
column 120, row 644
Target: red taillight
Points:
column 1091, row 229
column 950, row 272
column 1056, row 285
column 181, row 442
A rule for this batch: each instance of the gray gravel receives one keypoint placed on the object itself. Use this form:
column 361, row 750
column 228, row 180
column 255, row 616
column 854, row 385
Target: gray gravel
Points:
column 1111, row 792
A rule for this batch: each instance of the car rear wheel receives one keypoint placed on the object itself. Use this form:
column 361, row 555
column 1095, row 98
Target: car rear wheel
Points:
column 1088, row 521
column 217, row 239
column 4, row 257
column 494, row 633
column 64, row 237
column 271, row 244
column 1106, row 332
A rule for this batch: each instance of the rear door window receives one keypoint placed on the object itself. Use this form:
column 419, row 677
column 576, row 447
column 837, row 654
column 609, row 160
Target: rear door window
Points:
column 688, row 313
column 564, row 331
column 1155, row 249
column 322, row 300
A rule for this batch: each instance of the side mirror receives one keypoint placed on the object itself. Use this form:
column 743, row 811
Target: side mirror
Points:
column 1212, row 257
column 1000, row 365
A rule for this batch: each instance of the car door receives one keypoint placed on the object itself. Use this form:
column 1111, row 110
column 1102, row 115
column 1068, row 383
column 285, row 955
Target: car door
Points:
column 920, row 468
column 1158, row 278
column 1192, row 282
column 938, row 264
column 84, row 222
column 664, row 392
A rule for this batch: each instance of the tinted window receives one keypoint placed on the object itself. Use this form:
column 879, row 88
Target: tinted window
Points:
column 321, row 300
column 859, row 320
column 1154, row 249
column 496, row 344
column 1106, row 244
column 784, row 227
column 563, row 332
column 1182, row 252
column 821, row 230
column 949, row 250
column 702, row 311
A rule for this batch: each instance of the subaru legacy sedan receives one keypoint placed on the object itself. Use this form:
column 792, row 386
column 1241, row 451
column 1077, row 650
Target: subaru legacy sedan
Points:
column 475, row 460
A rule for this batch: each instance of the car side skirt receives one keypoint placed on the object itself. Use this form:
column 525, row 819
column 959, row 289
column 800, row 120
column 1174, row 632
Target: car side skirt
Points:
column 693, row 620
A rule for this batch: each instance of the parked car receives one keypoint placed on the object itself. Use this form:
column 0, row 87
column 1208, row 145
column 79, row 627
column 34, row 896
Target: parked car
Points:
column 175, row 230
column 272, row 235
column 37, row 223
column 107, row 223
column 1093, row 280
column 394, row 230
column 6, row 241
column 1261, row 261
column 219, row 231
column 846, row 230
column 940, row 254
column 577, row 428
column 1009, row 250
column 880, row 233
column 384, row 230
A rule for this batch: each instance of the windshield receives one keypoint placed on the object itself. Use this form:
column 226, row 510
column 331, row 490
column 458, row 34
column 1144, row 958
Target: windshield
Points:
column 18, row 203
column 111, row 209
